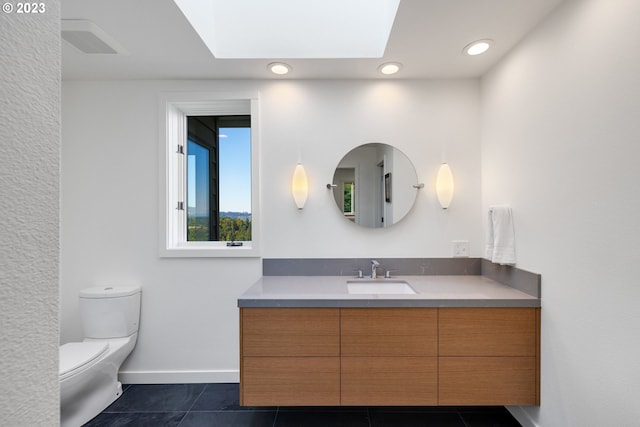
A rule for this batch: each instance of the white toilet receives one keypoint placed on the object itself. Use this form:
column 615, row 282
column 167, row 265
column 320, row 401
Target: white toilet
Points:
column 89, row 369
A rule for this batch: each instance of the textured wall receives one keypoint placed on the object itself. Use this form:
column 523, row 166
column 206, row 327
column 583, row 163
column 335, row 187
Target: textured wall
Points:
column 29, row 205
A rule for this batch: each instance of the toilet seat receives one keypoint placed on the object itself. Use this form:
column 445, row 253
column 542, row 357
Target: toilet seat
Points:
column 77, row 356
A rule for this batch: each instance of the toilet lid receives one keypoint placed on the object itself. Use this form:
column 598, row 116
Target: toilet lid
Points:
column 77, row 354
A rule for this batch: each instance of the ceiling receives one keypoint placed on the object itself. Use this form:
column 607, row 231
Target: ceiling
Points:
column 427, row 38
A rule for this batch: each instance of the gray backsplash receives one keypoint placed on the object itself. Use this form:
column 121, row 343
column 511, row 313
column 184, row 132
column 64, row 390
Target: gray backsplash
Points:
column 511, row 276
column 525, row 281
column 350, row 266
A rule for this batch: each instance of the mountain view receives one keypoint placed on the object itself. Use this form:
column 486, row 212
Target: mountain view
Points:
column 233, row 226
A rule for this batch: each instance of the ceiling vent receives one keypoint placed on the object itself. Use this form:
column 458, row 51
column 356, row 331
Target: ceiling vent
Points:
column 88, row 38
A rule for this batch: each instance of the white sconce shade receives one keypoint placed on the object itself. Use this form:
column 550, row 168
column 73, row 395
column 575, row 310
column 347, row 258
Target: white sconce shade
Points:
column 444, row 185
column 300, row 186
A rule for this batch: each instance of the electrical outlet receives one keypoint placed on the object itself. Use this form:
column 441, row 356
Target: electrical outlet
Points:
column 460, row 248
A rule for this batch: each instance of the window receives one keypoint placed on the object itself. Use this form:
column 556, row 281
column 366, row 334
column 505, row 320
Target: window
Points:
column 218, row 178
column 349, row 199
column 209, row 200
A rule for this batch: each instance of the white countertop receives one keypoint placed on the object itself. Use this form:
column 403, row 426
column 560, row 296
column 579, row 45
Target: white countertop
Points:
column 431, row 291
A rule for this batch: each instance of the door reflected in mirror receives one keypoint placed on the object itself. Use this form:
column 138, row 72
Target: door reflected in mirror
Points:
column 374, row 185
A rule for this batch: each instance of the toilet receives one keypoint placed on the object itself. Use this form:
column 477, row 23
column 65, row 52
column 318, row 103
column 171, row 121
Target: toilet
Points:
column 88, row 371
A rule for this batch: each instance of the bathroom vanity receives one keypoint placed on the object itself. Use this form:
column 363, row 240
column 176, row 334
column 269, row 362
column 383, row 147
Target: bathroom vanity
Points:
column 456, row 340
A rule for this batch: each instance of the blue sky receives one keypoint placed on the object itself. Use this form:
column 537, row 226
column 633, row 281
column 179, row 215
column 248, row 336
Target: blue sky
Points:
column 235, row 173
column 235, row 170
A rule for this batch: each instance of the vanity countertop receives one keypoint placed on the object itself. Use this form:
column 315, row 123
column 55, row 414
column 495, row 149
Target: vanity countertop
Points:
column 431, row 291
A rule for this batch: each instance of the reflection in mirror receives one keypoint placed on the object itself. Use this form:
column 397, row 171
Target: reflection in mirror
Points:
column 374, row 185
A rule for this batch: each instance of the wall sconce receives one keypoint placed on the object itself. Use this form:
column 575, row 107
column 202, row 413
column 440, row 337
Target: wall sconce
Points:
column 299, row 186
column 444, row 185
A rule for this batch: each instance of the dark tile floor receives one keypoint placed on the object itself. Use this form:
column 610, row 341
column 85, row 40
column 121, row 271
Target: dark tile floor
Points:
column 201, row 405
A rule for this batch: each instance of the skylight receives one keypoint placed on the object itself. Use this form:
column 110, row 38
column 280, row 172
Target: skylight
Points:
column 252, row 29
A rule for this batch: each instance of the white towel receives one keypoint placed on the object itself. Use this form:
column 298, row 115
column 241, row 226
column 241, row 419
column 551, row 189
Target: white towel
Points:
column 501, row 240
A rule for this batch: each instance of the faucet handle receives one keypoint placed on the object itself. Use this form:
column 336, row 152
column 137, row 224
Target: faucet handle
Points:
column 387, row 273
column 359, row 273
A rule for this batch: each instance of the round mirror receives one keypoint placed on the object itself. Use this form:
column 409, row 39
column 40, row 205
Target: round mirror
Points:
column 375, row 185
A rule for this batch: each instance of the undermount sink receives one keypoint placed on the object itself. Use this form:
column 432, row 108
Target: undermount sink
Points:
column 379, row 287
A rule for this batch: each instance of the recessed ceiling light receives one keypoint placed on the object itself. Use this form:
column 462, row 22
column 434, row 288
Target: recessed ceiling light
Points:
column 390, row 68
column 279, row 68
column 477, row 47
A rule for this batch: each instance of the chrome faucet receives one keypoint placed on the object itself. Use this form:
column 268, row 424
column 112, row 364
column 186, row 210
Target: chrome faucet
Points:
column 374, row 265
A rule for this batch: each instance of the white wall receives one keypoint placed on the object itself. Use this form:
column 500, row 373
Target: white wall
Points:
column 189, row 325
column 29, row 191
column 560, row 144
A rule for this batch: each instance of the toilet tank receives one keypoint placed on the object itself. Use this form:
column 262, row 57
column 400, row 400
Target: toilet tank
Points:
column 110, row 311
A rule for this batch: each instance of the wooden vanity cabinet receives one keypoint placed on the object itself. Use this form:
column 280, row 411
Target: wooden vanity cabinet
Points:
column 389, row 356
column 289, row 356
column 489, row 356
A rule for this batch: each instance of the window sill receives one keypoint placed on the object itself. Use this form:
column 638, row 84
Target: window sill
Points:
column 210, row 251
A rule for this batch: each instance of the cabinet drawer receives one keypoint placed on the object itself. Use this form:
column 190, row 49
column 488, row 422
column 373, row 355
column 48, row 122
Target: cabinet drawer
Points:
column 290, row 381
column 290, row 331
column 389, row 331
column 487, row 381
column 389, row 381
column 487, row 331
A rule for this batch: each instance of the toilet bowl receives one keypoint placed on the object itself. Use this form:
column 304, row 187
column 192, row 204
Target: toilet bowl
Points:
column 88, row 373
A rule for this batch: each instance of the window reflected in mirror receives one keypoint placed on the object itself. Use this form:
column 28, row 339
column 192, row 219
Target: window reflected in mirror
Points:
column 349, row 202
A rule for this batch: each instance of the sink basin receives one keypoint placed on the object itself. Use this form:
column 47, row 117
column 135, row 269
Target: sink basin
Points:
column 379, row 287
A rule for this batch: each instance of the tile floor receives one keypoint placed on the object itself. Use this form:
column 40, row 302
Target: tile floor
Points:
column 202, row 405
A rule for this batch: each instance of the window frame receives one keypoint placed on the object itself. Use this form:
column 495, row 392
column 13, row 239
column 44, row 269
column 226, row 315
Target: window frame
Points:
column 173, row 109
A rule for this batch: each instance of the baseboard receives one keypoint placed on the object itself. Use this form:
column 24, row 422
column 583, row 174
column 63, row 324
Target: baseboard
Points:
column 522, row 416
column 178, row 377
